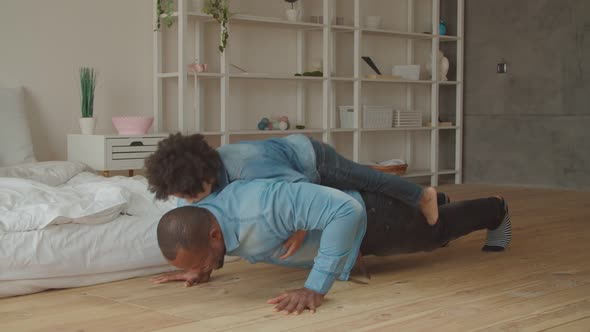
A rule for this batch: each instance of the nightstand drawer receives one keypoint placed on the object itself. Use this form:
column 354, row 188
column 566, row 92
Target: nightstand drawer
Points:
column 129, row 152
column 123, row 149
column 130, row 155
column 112, row 152
column 133, row 142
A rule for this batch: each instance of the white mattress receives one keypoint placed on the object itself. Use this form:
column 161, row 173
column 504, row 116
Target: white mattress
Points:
column 74, row 252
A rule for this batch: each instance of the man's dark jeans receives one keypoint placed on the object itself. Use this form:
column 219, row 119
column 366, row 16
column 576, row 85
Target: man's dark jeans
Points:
column 396, row 228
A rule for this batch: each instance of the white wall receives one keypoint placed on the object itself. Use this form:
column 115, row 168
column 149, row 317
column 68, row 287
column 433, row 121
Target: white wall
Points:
column 44, row 42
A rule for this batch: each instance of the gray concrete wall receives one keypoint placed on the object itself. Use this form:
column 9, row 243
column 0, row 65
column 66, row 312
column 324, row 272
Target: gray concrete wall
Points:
column 530, row 126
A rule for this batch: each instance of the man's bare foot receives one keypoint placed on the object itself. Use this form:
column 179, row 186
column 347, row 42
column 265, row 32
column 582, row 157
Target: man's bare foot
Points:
column 429, row 206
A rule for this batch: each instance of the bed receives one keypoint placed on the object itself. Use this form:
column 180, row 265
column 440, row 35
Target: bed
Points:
column 63, row 226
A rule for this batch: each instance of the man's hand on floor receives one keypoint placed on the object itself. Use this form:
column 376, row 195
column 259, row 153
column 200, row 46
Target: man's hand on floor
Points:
column 190, row 277
column 297, row 300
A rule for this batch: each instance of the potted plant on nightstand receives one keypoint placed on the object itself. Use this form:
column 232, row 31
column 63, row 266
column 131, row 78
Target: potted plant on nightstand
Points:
column 292, row 13
column 87, row 86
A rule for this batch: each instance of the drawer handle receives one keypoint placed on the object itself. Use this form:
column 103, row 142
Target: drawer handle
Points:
column 136, row 143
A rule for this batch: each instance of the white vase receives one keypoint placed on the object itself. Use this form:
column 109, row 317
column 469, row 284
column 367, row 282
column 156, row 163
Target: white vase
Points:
column 87, row 126
column 443, row 66
column 292, row 14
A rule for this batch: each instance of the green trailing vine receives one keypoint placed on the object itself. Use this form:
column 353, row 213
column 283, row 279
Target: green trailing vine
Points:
column 219, row 9
column 165, row 11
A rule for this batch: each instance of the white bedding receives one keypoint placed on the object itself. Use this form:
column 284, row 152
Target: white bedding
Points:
column 72, row 234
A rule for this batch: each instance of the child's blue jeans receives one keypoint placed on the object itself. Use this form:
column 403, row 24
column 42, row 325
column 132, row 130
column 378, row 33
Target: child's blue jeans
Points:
column 338, row 172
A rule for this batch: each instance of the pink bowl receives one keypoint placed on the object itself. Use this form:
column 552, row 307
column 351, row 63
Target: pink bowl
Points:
column 133, row 125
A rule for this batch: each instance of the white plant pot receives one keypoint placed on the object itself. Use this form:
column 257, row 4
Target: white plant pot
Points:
column 87, row 126
column 292, row 14
column 373, row 22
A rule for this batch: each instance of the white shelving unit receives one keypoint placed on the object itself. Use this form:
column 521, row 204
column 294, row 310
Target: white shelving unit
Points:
column 203, row 102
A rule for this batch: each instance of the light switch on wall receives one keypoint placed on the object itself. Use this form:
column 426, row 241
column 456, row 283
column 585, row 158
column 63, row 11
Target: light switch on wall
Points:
column 502, row 68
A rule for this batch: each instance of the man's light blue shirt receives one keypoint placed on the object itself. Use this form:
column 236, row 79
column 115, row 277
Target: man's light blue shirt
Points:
column 257, row 217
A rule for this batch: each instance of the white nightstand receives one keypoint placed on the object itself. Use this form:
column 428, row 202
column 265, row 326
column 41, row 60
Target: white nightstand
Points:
column 112, row 152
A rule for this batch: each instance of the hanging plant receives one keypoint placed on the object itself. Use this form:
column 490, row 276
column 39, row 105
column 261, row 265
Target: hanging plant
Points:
column 219, row 9
column 164, row 13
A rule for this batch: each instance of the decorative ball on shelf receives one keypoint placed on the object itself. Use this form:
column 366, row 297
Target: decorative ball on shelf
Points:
column 275, row 123
column 283, row 125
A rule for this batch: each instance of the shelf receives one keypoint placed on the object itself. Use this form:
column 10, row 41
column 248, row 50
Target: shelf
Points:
column 446, row 171
column 275, row 77
column 197, row 15
column 413, row 173
column 378, row 80
column 316, row 96
column 343, row 28
column 273, row 21
column 205, row 75
column 343, row 130
column 399, row 34
column 343, row 79
column 209, row 133
column 167, row 75
column 276, row 132
column 448, row 82
column 396, row 129
column 240, row 18
column 449, row 38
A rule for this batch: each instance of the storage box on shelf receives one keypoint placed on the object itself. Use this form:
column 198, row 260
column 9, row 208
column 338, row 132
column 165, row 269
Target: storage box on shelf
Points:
column 407, row 119
column 373, row 116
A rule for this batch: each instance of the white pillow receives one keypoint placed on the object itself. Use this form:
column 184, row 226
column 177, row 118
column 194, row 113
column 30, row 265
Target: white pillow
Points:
column 16, row 146
column 51, row 173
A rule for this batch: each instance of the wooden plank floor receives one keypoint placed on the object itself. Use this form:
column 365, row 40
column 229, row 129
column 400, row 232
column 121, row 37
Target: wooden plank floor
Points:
column 541, row 283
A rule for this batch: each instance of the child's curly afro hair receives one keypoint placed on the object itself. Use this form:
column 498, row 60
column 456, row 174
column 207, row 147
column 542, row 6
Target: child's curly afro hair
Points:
column 180, row 165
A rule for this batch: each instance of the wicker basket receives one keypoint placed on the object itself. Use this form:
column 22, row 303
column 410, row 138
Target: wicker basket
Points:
column 392, row 169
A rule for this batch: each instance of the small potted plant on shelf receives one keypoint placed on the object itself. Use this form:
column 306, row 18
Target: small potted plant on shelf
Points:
column 219, row 9
column 87, row 87
column 164, row 13
column 292, row 13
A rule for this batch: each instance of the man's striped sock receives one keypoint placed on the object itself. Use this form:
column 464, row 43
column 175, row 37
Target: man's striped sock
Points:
column 498, row 239
column 442, row 199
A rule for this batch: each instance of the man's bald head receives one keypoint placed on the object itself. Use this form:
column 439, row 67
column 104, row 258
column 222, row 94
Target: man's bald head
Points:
column 185, row 227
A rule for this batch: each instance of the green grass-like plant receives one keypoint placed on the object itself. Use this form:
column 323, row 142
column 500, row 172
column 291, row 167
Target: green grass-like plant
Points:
column 87, row 86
